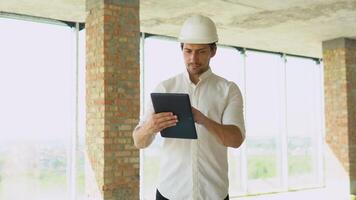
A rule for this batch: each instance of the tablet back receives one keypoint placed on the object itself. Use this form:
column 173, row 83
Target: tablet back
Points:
column 179, row 104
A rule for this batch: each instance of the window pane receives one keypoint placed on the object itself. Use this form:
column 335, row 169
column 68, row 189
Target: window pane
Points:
column 162, row 60
column 272, row 93
column 302, row 108
column 263, row 120
column 228, row 63
column 37, row 81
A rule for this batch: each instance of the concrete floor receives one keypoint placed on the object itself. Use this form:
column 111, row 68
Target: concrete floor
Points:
column 311, row 194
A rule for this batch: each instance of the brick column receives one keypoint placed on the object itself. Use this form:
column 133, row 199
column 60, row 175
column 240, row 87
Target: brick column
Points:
column 113, row 98
column 339, row 57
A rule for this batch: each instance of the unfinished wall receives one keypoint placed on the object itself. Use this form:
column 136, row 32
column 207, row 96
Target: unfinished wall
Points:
column 112, row 79
column 340, row 103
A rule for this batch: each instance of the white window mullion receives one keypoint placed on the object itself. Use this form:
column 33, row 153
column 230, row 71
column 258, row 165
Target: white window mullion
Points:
column 142, row 96
column 244, row 172
column 73, row 144
column 320, row 125
column 284, row 129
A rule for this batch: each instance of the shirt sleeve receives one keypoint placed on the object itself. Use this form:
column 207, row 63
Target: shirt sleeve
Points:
column 233, row 113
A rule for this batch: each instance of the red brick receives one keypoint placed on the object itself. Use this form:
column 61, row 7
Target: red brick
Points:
column 340, row 99
column 112, row 41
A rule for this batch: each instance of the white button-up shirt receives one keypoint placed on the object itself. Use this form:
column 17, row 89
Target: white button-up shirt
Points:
column 198, row 169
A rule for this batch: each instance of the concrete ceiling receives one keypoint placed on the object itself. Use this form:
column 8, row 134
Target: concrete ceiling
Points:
column 293, row 26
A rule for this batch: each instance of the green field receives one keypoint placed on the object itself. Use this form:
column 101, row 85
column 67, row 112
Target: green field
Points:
column 265, row 166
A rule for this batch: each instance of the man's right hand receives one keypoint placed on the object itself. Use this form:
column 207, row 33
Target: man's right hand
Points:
column 159, row 121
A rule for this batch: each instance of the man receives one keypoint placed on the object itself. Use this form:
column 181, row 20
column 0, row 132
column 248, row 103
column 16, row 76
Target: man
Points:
column 197, row 169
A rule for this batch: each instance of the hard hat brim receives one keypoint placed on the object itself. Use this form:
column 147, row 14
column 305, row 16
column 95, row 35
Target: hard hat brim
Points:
column 197, row 41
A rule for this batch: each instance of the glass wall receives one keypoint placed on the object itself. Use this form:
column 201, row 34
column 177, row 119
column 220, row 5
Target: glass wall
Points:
column 232, row 70
column 303, row 124
column 283, row 116
column 38, row 110
column 161, row 61
column 263, row 119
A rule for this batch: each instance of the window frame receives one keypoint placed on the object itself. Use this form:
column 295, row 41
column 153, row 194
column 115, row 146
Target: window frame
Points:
column 282, row 146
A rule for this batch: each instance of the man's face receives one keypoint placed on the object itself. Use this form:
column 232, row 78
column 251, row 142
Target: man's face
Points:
column 197, row 57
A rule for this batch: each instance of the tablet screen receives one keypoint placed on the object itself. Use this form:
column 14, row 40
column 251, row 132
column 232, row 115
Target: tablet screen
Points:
column 178, row 104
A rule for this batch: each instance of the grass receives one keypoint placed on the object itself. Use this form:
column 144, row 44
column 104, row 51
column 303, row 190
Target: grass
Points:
column 299, row 164
column 262, row 166
column 265, row 166
column 51, row 178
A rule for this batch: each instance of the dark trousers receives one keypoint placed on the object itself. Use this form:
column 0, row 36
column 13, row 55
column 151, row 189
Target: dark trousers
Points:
column 159, row 196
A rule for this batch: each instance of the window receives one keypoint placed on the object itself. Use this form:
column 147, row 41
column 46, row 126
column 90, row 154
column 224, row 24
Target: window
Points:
column 303, row 86
column 37, row 82
column 283, row 116
column 263, row 120
column 233, row 71
column 161, row 61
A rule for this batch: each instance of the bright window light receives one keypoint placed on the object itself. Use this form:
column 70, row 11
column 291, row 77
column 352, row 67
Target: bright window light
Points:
column 282, row 114
column 37, row 84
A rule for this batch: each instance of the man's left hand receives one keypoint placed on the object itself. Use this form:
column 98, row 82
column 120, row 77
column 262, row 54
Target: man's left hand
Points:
column 198, row 116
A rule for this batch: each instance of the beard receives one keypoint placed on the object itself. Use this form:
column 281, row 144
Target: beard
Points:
column 197, row 68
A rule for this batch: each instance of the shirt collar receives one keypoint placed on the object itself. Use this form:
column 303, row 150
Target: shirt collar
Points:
column 202, row 77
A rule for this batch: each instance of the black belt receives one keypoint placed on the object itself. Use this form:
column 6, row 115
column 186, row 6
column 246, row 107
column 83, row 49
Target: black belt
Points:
column 159, row 196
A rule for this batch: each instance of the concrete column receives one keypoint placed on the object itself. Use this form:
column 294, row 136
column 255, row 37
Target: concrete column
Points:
column 339, row 57
column 113, row 98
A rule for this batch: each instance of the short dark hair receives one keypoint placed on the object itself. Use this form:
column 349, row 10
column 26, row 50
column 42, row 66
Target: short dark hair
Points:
column 211, row 45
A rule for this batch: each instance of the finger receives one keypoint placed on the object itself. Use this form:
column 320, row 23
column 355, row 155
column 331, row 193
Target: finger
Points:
column 158, row 117
column 167, row 124
column 166, row 118
column 164, row 123
column 162, row 114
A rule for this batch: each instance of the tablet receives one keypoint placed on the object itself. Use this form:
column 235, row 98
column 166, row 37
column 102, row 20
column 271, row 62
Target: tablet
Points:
column 178, row 104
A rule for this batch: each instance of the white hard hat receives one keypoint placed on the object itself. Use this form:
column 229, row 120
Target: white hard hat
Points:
column 198, row 29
